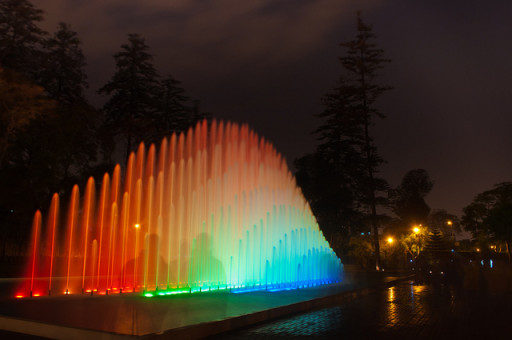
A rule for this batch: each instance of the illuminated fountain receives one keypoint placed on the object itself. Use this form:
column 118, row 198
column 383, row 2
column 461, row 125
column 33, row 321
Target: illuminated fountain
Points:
column 216, row 208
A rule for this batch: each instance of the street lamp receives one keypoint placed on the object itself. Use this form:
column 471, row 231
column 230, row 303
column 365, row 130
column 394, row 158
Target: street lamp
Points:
column 450, row 224
column 390, row 240
column 417, row 232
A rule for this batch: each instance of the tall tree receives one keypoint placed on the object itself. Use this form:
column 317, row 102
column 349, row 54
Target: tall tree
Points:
column 361, row 63
column 21, row 39
column 131, row 104
column 63, row 75
column 172, row 112
column 64, row 78
column 346, row 140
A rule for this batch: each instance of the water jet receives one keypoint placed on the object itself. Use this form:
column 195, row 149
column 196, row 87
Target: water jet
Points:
column 215, row 208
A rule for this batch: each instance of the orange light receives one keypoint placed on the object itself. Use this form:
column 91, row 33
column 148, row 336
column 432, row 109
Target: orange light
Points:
column 36, row 294
column 416, row 230
column 137, row 226
column 449, row 222
column 19, row 296
column 390, row 240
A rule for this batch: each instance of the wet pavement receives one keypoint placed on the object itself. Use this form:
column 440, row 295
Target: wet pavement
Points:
column 405, row 311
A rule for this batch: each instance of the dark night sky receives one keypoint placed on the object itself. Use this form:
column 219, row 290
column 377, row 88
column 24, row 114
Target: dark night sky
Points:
column 268, row 63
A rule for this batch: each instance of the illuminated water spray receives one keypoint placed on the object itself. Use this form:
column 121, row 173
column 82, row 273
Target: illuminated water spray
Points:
column 216, row 208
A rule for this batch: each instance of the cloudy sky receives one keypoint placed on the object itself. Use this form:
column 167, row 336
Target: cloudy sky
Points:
column 268, row 63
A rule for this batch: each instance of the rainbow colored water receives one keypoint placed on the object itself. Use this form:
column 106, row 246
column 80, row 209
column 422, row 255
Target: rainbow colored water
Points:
column 215, row 208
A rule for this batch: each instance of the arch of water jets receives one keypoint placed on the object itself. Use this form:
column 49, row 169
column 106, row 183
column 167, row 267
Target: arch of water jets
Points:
column 215, row 208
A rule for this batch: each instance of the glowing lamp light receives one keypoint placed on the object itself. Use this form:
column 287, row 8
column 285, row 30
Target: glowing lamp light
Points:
column 390, row 240
column 19, row 296
column 137, row 226
column 416, row 230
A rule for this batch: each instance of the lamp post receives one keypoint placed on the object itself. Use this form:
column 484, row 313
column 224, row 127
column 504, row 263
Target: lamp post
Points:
column 417, row 232
column 450, row 224
column 387, row 250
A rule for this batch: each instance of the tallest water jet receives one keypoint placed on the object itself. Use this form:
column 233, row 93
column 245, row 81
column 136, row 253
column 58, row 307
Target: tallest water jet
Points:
column 216, row 207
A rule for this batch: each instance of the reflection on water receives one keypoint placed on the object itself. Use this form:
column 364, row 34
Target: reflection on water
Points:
column 392, row 314
column 402, row 304
column 418, row 289
column 406, row 311
column 391, row 294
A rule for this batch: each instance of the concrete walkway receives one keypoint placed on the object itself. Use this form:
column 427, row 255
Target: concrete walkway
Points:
column 179, row 316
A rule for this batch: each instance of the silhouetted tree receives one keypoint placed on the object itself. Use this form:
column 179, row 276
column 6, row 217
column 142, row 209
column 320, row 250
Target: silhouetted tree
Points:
column 70, row 132
column 346, row 144
column 499, row 222
column 489, row 216
column 435, row 242
column 173, row 112
column 407, row 201
column 361, row 90
column 131, row 104
column 21, row 39
column 63, row 75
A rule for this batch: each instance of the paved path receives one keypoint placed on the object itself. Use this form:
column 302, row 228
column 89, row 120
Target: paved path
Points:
column 405, row 311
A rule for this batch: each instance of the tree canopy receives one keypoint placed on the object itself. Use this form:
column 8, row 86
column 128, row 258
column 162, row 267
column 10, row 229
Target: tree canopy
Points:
column 489, row 216
column 21, row 39
column 407, row 200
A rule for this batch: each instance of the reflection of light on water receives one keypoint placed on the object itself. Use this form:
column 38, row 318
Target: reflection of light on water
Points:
column 410, row 304
column 418, row 289
column 392, row 308
column 391, row 294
